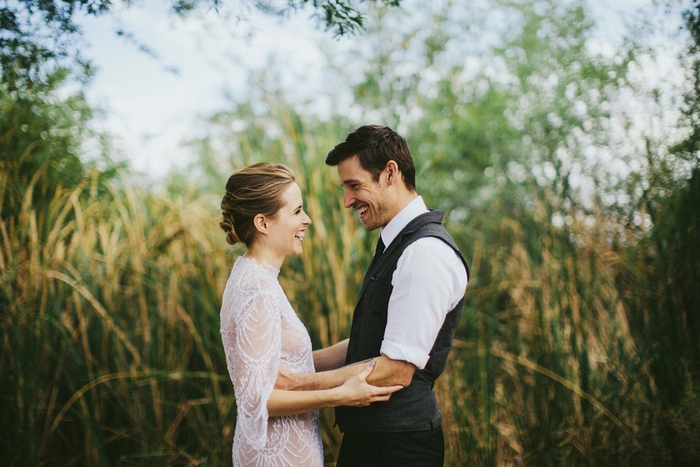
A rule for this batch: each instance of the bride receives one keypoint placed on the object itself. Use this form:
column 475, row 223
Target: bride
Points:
column 261, row 332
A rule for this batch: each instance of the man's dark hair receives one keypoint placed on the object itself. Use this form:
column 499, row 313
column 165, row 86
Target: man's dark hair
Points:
column 375, row 146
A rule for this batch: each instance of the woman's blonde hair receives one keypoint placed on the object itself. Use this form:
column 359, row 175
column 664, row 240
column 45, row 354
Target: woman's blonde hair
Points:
column 257, row 189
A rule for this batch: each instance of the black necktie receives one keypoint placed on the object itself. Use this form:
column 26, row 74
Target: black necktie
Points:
column 377, row 253
column 380, row 248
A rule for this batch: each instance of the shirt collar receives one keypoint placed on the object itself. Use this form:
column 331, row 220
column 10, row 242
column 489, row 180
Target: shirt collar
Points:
column 412, row 210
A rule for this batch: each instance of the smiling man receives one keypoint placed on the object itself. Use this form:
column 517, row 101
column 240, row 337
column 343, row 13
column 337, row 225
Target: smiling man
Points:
column 408, row 307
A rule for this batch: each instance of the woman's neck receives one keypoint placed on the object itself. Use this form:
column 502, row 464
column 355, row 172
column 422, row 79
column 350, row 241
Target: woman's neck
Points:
column 264, row 255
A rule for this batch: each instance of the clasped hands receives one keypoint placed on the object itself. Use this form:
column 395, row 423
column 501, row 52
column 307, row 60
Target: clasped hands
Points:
column 350, row 384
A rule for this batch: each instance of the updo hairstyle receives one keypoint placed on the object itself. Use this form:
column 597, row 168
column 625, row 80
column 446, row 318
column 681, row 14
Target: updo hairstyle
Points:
column 256, row 189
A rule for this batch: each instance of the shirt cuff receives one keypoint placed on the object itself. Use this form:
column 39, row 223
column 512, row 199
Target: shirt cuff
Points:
column 405, row 353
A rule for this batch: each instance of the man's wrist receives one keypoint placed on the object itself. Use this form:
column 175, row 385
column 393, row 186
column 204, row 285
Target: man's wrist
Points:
column 289, row 381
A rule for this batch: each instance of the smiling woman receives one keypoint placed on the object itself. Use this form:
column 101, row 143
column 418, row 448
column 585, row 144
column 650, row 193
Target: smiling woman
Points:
column 263, row 203
column 280, row 235
column 254, row 191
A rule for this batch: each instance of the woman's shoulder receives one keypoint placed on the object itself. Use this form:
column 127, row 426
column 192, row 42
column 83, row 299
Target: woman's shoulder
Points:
column 248, row 283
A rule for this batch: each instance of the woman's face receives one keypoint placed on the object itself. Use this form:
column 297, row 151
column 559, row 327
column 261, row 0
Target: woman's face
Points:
column 286, row 230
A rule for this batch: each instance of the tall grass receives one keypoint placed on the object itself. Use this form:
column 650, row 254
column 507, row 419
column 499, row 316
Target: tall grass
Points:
column 111, row 352
column 549, row 367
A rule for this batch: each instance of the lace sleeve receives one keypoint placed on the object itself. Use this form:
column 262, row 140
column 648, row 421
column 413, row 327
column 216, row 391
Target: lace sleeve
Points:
column 256, row 352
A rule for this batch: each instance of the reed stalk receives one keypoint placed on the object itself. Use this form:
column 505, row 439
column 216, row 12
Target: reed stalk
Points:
column 111, row 353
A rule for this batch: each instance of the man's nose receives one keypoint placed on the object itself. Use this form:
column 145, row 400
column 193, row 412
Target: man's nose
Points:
column 348, row 200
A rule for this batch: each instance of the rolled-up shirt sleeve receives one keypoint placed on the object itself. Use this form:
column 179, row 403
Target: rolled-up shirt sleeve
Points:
column 428, row 282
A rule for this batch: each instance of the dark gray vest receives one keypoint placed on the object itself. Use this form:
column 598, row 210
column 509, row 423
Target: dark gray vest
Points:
column 415, row 407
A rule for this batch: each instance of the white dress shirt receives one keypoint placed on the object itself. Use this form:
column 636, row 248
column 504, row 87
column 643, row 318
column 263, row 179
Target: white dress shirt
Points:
column 428, row 282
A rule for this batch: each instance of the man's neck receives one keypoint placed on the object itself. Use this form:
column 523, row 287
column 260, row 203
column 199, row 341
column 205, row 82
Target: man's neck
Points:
column 401, row 219
column 402, row 200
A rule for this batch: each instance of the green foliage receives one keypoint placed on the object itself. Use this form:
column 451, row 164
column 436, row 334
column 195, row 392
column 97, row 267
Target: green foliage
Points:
column 579, row 343
column 85, row 261
column 343, row 17
column 111, row 352
column 660, row 276
column 41, row 138
column 691, row 145
column 34, row 32
column 516, row 143
column 35, row 35
column 663, row 302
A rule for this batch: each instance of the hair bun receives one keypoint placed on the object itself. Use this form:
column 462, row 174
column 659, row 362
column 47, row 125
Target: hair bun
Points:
column 256, row 189
column 227, row 226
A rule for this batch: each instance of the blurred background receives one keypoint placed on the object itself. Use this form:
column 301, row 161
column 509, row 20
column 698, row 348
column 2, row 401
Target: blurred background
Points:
column 560, row 137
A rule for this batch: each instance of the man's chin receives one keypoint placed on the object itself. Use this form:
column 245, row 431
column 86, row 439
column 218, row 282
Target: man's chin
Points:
column 368, row 224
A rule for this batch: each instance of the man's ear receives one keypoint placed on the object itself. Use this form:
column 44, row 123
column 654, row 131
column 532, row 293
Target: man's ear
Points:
column 392, row 172
column 260, row 223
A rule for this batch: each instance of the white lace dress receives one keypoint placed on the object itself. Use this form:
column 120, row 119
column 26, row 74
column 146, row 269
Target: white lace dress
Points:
column 260, row 332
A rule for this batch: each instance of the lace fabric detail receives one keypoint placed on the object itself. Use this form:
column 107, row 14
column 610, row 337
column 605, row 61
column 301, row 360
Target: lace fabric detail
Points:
column 261, row 331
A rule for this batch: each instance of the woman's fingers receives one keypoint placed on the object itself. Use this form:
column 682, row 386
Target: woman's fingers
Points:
column 380, row 394
column 364, row 374
column 392, row 389
column 386, row 392
column 366, row 393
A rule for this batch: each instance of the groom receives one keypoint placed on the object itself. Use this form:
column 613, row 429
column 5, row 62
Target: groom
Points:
column 407, row 310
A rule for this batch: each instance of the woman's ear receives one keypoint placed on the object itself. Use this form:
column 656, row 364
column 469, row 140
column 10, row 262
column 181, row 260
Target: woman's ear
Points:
column 260, row 223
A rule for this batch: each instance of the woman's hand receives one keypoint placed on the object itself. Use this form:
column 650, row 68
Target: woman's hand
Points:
column 356, row 392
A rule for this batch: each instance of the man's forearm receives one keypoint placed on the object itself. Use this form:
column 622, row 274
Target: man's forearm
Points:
column 387, row 372
column 332, row 357
column 314, row 381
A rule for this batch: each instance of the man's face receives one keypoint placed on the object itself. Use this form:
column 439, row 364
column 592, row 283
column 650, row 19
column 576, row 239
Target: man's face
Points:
column 363, row 194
